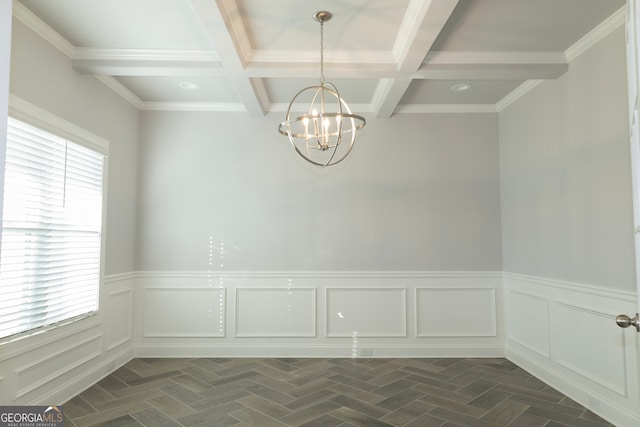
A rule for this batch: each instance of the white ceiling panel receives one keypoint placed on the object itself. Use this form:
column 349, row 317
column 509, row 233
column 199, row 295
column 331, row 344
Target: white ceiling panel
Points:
column 355, row 25
column 181, row 89
column 123, row 24
column 520, row 25
column 444, row 91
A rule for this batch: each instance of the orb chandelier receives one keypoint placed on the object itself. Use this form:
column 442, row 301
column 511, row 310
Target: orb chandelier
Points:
column 319, row 123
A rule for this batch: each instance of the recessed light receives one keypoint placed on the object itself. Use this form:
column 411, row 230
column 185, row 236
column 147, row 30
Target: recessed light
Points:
column 188, row 85
column 460, row 87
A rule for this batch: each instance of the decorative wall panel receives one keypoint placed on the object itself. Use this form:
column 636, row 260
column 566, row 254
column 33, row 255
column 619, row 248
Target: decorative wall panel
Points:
column 183, row 312
column 528, row 323
column 120, row 312
column 594, row 348
column 366, row 312
column 46, row 369
column 458, row 312
column 275, row 312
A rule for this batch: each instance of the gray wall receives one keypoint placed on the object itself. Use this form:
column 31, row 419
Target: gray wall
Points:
column 419, row 192
column 566, row 177
column 43, row 76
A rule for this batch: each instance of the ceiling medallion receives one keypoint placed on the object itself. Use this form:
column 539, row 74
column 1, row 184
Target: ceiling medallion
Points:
column 318, row 118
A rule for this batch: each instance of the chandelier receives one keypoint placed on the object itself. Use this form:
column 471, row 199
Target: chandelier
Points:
column 319, row 123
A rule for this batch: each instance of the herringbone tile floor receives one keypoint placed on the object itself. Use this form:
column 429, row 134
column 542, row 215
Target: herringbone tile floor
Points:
column 324, row 393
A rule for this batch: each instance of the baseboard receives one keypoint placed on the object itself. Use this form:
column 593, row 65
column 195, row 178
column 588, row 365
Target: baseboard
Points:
column 337, row 351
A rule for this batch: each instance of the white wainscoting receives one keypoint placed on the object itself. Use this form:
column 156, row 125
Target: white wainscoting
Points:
column 565, row 334
column 318, row 314
column 54, row 365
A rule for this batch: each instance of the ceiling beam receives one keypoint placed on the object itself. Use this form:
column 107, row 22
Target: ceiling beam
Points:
column 423, row 22
column 146, row 62
column 222, row 22
column 493, row 65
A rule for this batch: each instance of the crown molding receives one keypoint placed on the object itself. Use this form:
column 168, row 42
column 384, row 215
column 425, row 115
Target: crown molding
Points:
column 516, row 94
column 605, row 28
column 113, row 84
column 39, row 27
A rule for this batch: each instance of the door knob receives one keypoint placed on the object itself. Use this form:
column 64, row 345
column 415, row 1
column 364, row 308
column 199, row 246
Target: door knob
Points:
column 625, row 321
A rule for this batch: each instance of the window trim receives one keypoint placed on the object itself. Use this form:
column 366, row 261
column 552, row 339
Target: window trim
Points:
column 29, row 113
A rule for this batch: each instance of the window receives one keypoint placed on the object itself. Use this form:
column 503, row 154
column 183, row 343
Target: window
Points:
column 50, row 255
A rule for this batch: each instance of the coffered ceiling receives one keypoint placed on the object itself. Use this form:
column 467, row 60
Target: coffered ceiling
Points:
column 385, row 56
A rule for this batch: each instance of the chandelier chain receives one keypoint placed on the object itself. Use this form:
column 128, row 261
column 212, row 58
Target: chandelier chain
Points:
column 321, row 52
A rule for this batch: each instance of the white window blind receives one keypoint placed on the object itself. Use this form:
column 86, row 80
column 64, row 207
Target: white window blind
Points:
column 51, row 230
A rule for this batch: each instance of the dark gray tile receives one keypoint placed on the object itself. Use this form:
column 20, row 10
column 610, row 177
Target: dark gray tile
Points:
column 505, row 412
column 211, row 416
column 182, row 394
column 96, row 394
column 535, row 394
column 309, row 399
column 478, row 387
column 466, row 378
column 490, row 399
column 407, row 413
column 310, row 413
column 269, row 393
column 78, row 407
column 427, row 420
column 123, row 421
column 356, row 405
column 459, row 418
column 233, row 378
column 255, row 418
column 365, row 396
column 191, row 383
column 358, row 419
column 548, row 406
column 451, row 405
column 562, row 418
column 399, row 400
column 394, row 388
column 219, row 399
column 171, row 406
column 111, row 384
column 265, row 406
column 528, row 420
column 323, row 421
column 350, row 381
column 153, row 418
